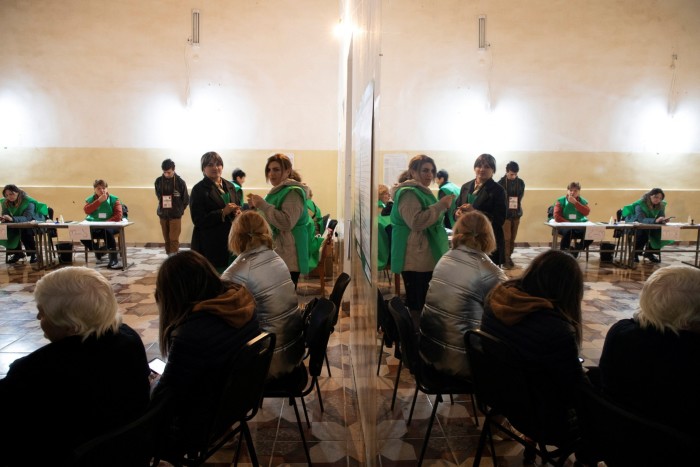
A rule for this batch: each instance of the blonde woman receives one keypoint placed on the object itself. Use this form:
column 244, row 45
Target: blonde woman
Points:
column 455, row 303
column 266, row 276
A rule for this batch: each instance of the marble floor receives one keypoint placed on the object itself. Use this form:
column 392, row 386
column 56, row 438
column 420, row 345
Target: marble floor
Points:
column 611, row 293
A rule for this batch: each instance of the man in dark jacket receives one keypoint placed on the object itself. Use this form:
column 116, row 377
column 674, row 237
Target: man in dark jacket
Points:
column 173, row 198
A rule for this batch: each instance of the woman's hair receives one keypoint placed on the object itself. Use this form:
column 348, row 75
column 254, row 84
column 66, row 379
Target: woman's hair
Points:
column 284, row 162
column 573, row 185
column 211, row 157
column 100, row 182
column 249, row 230
column 556, row 276
column 512, row 166
column 294, row 175
column 473, row 229
column 654, row 191
column 416, row 162
column 670, row 299
column 183, row 280
column 79, row 300
column 485, row 160
column 382, row 189
column 13, row 189
column 403, row 176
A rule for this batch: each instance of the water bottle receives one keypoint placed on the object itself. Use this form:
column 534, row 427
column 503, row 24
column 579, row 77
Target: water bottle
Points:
column 60, row 219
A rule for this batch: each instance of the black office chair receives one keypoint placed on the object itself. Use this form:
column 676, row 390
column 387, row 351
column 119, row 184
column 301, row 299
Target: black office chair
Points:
column 341, row 283
column 503, row 391
column 238, row 403
column 428, row 380
column 390, row 337
column 133, row 444
column 296, row 383
column 621, row 438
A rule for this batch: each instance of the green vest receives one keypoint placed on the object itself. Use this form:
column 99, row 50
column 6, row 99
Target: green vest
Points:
column 569, row 209
column 655, row 235
column 302, row 231
column 437, row 237
column 106, row 208
column 383, row 242
column 239, row 192
column 450, row 188
column 13, row 235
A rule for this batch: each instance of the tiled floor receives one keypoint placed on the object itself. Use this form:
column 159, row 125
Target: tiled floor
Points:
column 611, row 294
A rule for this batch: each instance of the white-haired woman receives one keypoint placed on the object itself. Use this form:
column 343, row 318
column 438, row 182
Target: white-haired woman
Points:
column 455, row 302
column 92, row 377
column 651, row 362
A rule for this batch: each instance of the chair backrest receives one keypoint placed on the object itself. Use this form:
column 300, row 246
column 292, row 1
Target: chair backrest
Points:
column 318, row 331
column 618, row 215
column 238, row 401
column 133, row 444
column 408, row 339
column 385, row 321
column 324, row 220
column 622, row 438
column 341, row 283
column 501, row 383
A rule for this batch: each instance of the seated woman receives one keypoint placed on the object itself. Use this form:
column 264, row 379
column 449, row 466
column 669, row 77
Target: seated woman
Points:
column 265, row 275
column 91, row 378
column 650, row 209
column 384, row 205
column 572, row 208
column 539, row 315
column 103, row 207
column 455, row 301
column 18, row 207
column 204, row 321
column 650, row 363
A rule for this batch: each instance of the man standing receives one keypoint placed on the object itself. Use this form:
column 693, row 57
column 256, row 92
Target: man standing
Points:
column 447, row 188
column 173, row 198
column 515, row 190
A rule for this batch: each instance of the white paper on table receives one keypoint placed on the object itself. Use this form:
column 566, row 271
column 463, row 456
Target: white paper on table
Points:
column 671, row 232
column 79, row 232
column 595, row 233
column 3, row 231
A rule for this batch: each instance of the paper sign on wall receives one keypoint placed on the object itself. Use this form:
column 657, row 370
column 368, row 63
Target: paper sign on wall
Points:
column 79, row 232
column 671, row 232
column 3, row 232
column 595, row 233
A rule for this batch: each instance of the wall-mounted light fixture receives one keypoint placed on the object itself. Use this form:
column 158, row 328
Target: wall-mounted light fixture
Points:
column 482, row 33
column 195, row 28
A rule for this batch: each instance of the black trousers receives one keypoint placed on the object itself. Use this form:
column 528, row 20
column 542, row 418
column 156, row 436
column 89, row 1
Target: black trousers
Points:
column 416, row 285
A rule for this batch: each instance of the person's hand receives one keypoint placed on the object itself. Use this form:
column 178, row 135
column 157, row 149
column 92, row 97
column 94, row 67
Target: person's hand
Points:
column 571, row 199
column 6, row 218
column 661, row 220
column 466, row 207
column 103, row 197
column 229, row 208
column 446, row 201
column 254, row 199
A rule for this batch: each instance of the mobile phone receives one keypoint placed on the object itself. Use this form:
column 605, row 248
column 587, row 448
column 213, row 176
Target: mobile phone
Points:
column 332, row 223
column 157, row 366
column 671, row 217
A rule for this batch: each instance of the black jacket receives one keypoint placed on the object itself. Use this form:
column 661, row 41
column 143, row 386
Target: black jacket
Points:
column 211, row 229
column 175, row 187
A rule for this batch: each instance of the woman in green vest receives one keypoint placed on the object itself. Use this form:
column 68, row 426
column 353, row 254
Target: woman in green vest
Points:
column 418, row 237
column 572, row 208
column 384, row 205
column 103, row 207
column 284, row 207
column 18, row 207
column 650, row 209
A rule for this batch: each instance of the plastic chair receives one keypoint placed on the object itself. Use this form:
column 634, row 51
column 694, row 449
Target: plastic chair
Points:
column 133, row 444
column 428, row 380
column 503, row 390
column 621, row 438
column 296, row 384
column 238, row 403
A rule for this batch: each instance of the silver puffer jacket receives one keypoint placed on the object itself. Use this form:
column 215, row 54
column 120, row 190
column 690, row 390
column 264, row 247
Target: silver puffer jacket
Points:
column 265, row 274
column 454, row 304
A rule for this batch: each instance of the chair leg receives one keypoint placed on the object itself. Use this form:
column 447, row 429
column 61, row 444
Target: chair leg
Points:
column 486, row 431
column 301, row 429
column 328, row 366
column 318, row 391
column 249, row 441
column 413, row 405
column 379, row 359
column 397, row 285
column 438, row 399
column 306, row 414
column 452, row 400
column 238, row 449
column 396, row 384
column 476, row 418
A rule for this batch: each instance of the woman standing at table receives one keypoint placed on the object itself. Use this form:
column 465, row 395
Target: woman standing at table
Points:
column 18, row 207
column 213, row 206
column 284, row 207
column 418, row 237
column 103, row 207
column 650, row 209
column 488, row 197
